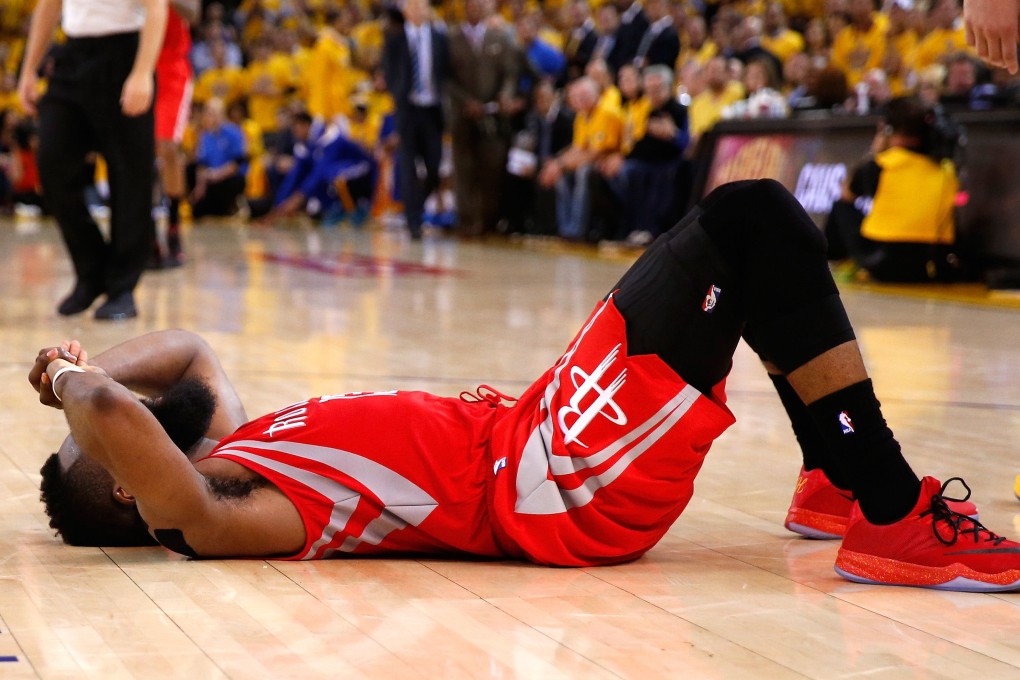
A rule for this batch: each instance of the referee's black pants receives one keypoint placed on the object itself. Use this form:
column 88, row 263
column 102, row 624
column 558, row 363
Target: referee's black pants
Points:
column 81, row 112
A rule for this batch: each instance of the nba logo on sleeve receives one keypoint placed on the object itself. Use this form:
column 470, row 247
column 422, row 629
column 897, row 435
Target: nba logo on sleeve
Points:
column 845, row 423
column 499, row 465
column 711, row 299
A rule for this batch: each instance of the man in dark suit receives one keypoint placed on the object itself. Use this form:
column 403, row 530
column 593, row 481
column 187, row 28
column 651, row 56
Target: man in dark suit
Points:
column 633, row 24
column 607, row 47
column 484, row 69
column 416, row 64
column 548, row 130
column 660, row 45
column 581, row 43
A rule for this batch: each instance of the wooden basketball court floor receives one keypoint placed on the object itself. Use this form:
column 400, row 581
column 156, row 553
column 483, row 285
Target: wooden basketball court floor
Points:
column 298, row 312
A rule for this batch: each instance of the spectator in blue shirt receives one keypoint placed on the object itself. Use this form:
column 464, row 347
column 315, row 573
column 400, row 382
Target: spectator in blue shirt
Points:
column 332, row 176
column 221, row 161
column 544, row 62
column 201, row 52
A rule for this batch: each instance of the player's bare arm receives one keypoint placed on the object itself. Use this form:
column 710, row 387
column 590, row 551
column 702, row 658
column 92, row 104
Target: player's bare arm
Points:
column 149, row 365
column 173, row 497
column 154, row 362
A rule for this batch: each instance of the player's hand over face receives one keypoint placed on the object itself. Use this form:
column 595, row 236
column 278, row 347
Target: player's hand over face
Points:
column 70, row 351
column 991, row 27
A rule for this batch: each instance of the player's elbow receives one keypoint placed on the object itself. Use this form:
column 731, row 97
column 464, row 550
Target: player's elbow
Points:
column 106, row 399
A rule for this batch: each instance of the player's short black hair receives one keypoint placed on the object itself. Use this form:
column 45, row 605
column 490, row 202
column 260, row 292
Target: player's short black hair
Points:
column 79, row 500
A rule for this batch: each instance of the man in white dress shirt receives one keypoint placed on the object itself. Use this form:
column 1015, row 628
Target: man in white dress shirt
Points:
column 416, row 65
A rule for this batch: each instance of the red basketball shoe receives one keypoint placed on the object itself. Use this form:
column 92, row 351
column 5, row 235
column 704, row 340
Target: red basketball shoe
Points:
column 933, row 547
column 820, row 510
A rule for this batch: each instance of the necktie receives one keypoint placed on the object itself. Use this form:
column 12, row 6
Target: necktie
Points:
column 416, row 60
column 645, row 44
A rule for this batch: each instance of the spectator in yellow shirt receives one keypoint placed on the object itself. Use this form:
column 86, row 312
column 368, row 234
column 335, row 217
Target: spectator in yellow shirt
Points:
column 895, row 219
column 256, row 185
column 818, row 43
column 696, row 45
column 609, row 94
column 380, row 101
column 901, row 43
column 947, row 35
column 266, row 83
column 777, row 37
column 836, row 17
column 803, row 11
column 368, row 40
column 597, row 131
column 221, row 81
column 860, row 47
column 327, row 76
column 363, row 125
column 707, row 107
column 634, row 108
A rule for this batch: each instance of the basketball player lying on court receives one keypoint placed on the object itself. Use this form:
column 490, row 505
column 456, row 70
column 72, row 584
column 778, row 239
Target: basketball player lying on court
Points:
column 590, row 466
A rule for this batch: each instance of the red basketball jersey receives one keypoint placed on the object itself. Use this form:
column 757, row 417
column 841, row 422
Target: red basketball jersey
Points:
column 592, row 465
column 377, row 471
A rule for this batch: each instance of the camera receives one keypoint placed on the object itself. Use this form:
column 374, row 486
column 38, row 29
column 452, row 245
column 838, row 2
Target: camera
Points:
column 943, row 137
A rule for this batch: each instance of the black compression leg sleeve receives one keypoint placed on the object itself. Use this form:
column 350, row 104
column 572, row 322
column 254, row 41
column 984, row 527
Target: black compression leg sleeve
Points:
column 747, row 261
column 680, row 301
column 791, row 303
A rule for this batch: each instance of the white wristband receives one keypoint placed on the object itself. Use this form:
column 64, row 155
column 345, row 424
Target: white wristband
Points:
column 60, row 372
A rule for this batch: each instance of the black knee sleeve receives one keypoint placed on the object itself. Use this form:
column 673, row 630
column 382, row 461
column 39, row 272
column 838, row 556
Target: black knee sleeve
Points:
column 680, row 302
column 791, row 304
column 792, row 339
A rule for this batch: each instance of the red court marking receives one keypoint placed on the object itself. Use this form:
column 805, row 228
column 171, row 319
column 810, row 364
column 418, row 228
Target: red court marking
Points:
column 358, row 266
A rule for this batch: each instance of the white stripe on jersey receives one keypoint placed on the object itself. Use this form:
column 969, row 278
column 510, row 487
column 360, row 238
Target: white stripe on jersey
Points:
column 537, row 494
column 183, row 111
column 404, row 502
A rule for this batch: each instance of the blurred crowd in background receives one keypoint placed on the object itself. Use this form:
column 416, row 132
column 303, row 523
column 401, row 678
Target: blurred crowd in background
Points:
column 571, row 118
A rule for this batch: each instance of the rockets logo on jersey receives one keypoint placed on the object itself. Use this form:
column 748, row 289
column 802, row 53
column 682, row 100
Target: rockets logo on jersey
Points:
column 553, row 478
column 603, row 405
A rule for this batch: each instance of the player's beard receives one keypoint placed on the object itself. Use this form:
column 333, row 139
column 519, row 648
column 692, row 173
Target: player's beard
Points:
column 184, row 411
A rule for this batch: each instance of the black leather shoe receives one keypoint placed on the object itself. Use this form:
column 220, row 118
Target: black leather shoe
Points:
column 80, row 299
column 118, row 308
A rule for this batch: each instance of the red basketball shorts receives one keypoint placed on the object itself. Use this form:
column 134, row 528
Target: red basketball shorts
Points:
column 598, row 458
column 173, row 101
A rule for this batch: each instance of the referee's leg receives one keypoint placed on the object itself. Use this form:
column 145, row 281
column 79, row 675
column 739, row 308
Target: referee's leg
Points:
column 65, row 137
column 128, row 144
